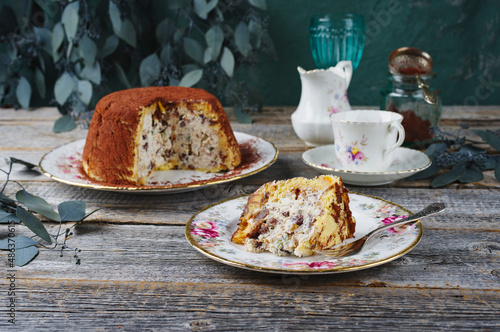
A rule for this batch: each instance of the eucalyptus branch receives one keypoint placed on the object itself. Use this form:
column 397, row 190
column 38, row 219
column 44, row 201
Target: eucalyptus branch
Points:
column 81, row 40
column 7, row 173
column 455, row 159
column 25, row 207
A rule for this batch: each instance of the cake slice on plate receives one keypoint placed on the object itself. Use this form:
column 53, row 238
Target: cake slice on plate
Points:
column 296, row 216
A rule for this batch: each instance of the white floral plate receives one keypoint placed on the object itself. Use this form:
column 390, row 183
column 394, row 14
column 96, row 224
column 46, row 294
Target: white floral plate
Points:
column 209, row 231
column 406, row 163
column 64, row 164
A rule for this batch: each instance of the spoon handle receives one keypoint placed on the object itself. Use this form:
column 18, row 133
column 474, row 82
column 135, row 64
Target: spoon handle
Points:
column 429, row 210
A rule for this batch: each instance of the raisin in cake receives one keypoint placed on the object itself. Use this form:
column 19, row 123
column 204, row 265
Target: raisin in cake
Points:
column 296, row 216
column 134, row 132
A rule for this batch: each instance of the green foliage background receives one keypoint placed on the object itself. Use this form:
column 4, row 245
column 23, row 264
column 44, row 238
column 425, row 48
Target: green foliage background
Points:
column 71, row 53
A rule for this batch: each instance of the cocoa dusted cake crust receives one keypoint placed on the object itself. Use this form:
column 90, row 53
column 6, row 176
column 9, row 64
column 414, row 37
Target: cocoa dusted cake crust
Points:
column 134, row 132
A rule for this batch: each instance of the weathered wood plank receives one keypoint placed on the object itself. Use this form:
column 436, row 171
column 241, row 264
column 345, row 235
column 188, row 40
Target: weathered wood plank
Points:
column 177, row 306
column 447, row 259
column 35, row 136
column 49, row 114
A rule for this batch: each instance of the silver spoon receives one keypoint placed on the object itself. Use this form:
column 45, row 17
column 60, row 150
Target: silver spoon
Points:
column 356, row 246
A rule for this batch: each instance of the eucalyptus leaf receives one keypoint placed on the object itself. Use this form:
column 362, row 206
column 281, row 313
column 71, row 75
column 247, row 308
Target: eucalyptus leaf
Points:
column 436, row 148
column 179, row 35
column 110, row 46
column 92, row 73
column 149, row 69
column 4, row 199
column 63, row 88
column 227, row 61
column 84, row 91
column 87, row 50
column 255, row 30
column 40, row 82
column 489, row 137
column 191, row 78
column 471, row 149
column 453, row 175
column 71, row 210
column 22, row 162
column 207, row 57
column 428, row 172
column 489, row 164
column 57, row 41
column 167, row 54
column 115, row 16
column 37, row 204
column 242, row 39
column 261, row 4
column 203, row 7
column 64, row 123
column 122, row 28
column 41, row 62
column 193, row 49
column 70, row 19
column 7, row 217
column 189, row 67
column 23, row 92
column 164, row 31
column 19, row 242
column 127, row 33
column 472, row 174
column 32, row 222
column 122, row 77
column 45, row 36
column 214, row 38
column 25, row 255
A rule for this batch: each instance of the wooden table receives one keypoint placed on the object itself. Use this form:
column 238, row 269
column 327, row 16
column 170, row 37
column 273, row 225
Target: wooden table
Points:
column 138, row 272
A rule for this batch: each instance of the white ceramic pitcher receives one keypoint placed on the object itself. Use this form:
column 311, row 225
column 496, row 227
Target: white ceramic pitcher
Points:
column 324, row 92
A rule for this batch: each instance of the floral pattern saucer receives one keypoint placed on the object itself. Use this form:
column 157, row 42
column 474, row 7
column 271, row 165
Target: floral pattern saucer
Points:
column 210, row 230
column 406, row 163
column 64, row 164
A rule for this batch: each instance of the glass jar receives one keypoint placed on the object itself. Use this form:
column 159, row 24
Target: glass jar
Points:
column 406, row 98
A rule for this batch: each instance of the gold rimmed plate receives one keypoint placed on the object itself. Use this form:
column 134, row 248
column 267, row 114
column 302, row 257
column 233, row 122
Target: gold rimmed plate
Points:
column 210, row 230
column 64, row 164
column 406, row 163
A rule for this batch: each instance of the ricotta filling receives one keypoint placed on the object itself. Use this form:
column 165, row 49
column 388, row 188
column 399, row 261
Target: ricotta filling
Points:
column 288, row 226
column 179, row 138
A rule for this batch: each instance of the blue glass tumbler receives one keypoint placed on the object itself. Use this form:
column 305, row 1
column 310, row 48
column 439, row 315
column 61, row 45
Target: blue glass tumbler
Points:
column 337, row 37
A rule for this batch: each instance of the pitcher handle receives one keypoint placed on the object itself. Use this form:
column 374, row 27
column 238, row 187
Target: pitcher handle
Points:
column 401, row 138
column 347, row 68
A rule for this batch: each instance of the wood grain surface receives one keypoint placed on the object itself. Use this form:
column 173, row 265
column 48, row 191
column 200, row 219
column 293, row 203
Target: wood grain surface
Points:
column 138, row 272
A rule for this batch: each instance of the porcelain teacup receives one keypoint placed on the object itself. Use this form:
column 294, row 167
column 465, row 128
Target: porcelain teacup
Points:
column 365, row 141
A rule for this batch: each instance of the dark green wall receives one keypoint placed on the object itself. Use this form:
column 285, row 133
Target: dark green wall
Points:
column 462, row 36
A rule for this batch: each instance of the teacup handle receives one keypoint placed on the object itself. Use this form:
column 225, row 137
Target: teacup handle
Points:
column 401, row 138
